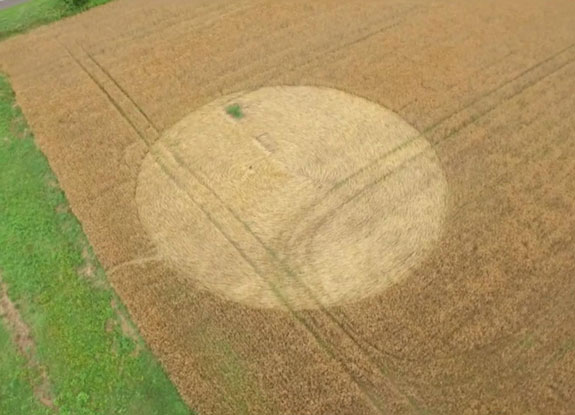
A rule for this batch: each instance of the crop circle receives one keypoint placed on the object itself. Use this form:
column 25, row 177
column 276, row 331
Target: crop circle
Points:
column 313, row 197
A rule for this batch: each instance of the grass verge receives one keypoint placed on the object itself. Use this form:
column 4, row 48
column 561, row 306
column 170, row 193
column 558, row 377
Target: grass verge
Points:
column 23, row 17
column 16, row 396
column 93, row 364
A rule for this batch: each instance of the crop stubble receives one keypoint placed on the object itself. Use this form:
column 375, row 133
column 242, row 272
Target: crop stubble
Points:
column 482, row 324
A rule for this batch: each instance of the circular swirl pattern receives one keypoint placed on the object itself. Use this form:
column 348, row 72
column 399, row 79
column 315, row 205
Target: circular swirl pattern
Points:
column 308, row 197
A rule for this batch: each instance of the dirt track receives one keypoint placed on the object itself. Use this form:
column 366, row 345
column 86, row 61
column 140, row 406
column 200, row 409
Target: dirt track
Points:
column 484, row 321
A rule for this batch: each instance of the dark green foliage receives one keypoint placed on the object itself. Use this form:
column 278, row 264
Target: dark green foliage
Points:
column 75, row 4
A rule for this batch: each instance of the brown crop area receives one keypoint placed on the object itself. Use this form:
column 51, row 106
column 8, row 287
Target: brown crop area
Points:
column 330, row 206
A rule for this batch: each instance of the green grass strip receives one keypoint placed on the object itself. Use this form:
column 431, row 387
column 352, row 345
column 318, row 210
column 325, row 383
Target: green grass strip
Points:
column 16, row 396
column 25, row 16
column 93, row 366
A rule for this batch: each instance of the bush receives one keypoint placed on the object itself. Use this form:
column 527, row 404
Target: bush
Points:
column 235, row 111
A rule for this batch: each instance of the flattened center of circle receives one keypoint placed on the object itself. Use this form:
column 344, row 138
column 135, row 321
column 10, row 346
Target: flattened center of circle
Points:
column 295, row 197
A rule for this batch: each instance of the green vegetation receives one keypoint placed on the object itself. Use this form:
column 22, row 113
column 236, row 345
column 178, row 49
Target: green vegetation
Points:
column 76, row 4
column 16, row 396
column 20, row 18
column 235, row 111
column 75, row 318
column 94, row 367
